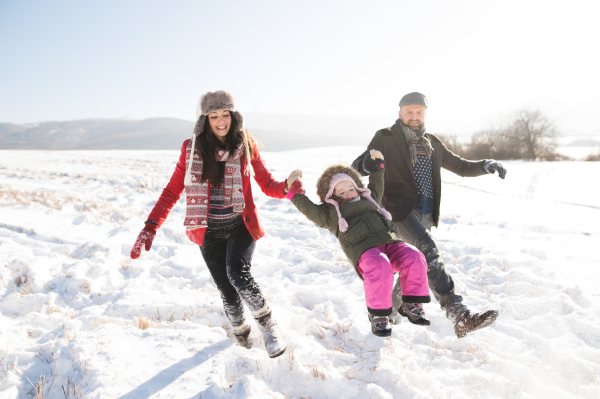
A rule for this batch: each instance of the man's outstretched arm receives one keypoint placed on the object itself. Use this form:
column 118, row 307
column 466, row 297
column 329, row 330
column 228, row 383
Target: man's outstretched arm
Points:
column 466, row 168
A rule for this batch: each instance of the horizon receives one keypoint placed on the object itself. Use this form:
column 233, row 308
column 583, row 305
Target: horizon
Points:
column 475, row 61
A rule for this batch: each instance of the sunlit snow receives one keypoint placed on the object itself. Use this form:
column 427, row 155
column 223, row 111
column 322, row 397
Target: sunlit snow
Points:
column 73, row 305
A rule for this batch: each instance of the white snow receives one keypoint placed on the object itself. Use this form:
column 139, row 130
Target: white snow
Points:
column 72, row 301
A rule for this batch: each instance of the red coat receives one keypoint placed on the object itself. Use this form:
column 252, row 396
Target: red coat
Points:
column 263, row 177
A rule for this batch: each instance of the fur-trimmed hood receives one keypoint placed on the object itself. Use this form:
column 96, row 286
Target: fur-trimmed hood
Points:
column 325, row 179
column 326, row 185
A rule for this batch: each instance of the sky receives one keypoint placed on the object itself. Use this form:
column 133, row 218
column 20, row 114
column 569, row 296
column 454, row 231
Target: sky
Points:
column 477, row 61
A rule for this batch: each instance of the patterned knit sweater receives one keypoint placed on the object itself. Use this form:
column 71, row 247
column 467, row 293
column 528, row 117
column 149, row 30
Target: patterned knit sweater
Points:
column 424, row 178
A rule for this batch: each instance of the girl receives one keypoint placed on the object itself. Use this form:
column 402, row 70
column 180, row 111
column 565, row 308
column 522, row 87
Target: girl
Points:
column 369, row 239
column 214, row 169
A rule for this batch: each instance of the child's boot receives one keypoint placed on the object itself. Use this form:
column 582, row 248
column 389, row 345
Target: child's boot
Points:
column 274, row 342
column 414, row 313
column 380, row 325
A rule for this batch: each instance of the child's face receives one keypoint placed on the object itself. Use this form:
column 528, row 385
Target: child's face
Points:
column 345, row 190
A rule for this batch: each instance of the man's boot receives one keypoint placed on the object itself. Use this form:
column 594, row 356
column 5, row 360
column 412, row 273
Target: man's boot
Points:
column 473, row 322
column 274, row 342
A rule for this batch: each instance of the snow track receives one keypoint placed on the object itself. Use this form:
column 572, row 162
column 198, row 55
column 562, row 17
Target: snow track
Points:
column 74, row 307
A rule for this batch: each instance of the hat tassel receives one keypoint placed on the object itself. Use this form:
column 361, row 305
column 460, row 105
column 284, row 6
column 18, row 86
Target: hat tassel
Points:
column 249, row 169
column 188, row 173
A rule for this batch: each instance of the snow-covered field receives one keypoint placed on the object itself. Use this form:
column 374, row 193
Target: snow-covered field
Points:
column 77, row 314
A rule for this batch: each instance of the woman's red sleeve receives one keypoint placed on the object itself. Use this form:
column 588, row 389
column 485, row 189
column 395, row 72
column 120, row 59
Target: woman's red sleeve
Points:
column 172, row 192
column 265, row 179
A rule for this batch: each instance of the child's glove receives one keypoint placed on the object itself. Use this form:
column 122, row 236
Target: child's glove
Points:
column 373, row 162
column 298, row 187
column 145, row 238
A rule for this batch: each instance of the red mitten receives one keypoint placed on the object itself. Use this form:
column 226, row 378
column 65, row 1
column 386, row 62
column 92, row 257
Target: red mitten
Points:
column 298, row 187
column 145, row 237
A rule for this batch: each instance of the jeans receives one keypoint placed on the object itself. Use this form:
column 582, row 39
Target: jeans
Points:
column 415, row 229
column 228, row 252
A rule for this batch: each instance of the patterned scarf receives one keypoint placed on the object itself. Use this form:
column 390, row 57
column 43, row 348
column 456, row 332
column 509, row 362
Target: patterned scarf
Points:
column 197, row 194
column 418, row 136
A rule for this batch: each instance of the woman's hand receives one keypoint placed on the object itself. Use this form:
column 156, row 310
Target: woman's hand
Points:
column 145, row 238
column 295, row 175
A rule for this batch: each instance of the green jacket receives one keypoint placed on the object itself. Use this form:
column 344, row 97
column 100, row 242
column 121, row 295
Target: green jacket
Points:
column 367, row 227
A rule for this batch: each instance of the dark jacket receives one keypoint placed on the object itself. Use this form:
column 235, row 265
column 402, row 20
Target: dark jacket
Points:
column 400, row 192
column 367, row 227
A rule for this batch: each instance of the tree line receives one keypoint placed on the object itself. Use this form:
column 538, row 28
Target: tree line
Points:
column 528, row 135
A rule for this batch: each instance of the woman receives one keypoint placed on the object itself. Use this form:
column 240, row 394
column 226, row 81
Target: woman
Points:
column 220, row 213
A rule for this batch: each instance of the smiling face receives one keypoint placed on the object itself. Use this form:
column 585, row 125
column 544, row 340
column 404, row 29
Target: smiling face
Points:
column 220, row 122
column 345, row 190
column 413, row 115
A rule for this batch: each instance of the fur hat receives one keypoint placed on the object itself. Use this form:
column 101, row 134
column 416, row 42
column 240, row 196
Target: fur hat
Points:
column 213, row 101
column 326, row 186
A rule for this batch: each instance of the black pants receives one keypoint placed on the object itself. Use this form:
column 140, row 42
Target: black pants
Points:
column 228, row 255
column 415, row 229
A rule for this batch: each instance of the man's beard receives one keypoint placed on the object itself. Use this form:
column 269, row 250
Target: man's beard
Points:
column 414, row 128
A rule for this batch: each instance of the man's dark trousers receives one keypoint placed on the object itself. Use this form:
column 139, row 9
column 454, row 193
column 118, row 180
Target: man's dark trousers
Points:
column 415, row 229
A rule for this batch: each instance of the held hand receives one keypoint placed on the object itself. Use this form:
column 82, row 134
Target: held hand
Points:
column 295, row 175
column 376, row 154
column 145, row 238
column 298, row 187
column 492, row 166
column 373, row 162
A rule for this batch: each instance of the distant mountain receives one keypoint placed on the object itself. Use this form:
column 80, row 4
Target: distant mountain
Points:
column 583, row 143
column 276, row 132
column 97, row 134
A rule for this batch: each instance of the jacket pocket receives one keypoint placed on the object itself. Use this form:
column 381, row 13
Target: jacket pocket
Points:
column 392, row 196
column 357, row 231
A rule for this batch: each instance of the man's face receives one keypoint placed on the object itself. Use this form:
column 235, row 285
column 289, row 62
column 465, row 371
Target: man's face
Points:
column 413, row 116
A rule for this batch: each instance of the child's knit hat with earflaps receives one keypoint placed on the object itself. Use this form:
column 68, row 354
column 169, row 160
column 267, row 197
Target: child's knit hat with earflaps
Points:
column 332, row 176
column 210, row 102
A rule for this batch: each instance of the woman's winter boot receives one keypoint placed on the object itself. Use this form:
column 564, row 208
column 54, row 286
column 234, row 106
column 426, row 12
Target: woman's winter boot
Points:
column 274, row 342
column 244, row 339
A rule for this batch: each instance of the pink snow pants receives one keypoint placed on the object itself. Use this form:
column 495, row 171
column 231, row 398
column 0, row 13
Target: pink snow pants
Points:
column 377, row 266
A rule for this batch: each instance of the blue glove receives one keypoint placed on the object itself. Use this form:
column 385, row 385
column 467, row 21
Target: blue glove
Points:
column 492, row 166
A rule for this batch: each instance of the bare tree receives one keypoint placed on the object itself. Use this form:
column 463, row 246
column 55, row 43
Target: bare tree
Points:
column 593, row 157
column 534, row 133
column 529, row 134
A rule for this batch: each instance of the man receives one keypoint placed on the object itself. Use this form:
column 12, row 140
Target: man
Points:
column 413, row 159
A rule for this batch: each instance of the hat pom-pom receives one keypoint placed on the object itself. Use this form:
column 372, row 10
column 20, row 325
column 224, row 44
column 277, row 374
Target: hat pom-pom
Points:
column 343, row 225
column 298, row 187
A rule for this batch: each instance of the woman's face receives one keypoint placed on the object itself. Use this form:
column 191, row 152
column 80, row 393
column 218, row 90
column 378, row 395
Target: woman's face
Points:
column 220, row 121
column 345, row 190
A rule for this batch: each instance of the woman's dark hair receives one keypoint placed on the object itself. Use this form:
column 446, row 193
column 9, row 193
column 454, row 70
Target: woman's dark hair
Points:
column 207, row 144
